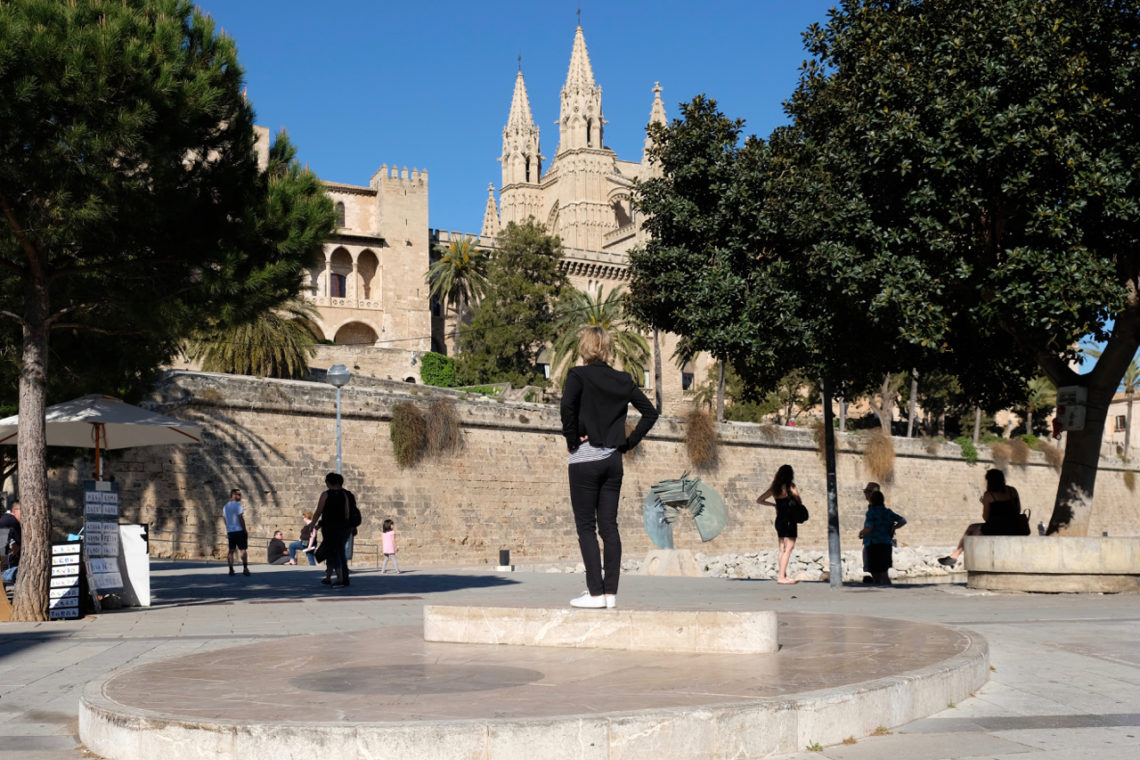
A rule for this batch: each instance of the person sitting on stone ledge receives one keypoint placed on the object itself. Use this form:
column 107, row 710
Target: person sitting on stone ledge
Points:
column 1001, row 515
column 277, row 554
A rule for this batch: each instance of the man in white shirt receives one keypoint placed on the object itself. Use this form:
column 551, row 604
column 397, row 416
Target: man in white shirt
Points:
column 235, row 530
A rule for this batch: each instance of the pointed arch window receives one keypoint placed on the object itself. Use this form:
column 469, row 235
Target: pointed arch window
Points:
column 340, row 214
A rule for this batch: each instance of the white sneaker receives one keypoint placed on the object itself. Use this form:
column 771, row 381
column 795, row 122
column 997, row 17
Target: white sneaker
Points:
column 589, row 602
column 611, row 601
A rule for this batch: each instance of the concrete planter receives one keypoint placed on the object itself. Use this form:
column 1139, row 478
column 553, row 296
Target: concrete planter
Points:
column 1053, row 563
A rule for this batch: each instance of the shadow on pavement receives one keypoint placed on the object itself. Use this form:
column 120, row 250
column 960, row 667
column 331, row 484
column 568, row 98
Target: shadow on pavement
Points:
column 190, row 583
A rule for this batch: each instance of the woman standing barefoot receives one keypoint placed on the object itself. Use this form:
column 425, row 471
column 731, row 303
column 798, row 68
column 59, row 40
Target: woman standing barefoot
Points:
column 787, row 498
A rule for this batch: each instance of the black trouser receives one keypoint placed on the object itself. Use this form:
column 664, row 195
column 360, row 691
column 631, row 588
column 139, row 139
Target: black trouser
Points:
column 594, row 491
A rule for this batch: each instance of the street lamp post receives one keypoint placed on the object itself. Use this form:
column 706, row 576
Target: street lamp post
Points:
column 339, row 376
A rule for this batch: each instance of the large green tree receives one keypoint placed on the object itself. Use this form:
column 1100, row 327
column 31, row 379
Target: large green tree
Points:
column 986, row 156
column 131, row 203
column 515, row 319
column 957, row 192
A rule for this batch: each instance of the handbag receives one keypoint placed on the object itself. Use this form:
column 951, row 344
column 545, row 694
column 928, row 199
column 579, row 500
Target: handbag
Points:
column 1022, row 523
column 801, row 512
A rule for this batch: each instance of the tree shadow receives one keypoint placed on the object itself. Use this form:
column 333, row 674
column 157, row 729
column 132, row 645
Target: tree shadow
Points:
column 175, row 584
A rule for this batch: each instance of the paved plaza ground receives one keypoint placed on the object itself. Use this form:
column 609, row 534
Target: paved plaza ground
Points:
column 1065, row 681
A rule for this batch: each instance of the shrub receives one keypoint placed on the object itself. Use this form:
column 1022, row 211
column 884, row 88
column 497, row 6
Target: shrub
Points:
column 969, row 450
column 1019, row 451
column 443, row 431
column 437, row 370
column 1002, row 453
column 1030, row 440
column 1054, row 455
column 408, row 430
column 879, row 456
column 701, row 439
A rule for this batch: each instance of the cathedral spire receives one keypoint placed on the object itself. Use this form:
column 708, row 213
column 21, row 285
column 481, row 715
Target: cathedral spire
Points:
column 490, row 215
column 580, row 121
column 656, row 116
column 521, row 159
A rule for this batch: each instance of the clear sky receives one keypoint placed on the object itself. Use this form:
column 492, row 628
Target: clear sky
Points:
column 428, row 84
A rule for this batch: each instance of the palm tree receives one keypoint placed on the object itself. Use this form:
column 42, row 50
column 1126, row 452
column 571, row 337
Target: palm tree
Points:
column 579, row 310
column 459, row 278
column 1041, row 394
column 275, row 343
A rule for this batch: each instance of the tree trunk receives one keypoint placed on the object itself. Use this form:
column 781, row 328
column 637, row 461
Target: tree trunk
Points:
column 1029, row 421
column 842, row 415
column 720, row 391
column 977, row 424
column 657, row 394
column 886, row 406
column 913, row 403
column 1073, row 504
column 29, row 602
column 1128, row 423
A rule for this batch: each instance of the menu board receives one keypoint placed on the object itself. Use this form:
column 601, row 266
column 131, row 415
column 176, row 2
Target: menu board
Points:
column 63, row 591
column 101, row 534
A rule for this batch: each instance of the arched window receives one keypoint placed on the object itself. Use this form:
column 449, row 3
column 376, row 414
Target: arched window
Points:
column 340, row 214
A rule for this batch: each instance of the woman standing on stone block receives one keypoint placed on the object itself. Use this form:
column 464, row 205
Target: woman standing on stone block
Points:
column 787, row 499
column 595, row 400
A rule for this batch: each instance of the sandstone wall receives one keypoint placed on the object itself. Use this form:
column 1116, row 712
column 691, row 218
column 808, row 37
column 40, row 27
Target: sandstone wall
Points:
column 506, row 488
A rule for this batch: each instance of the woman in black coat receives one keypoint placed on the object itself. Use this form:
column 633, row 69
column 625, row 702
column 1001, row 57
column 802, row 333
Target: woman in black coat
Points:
column 595, row 400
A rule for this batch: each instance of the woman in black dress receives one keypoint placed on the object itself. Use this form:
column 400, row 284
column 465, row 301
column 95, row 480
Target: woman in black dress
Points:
column 1001, row 509
column 787, row 498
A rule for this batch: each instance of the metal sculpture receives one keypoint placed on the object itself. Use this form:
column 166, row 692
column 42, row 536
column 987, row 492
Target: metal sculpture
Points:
column 668, row 500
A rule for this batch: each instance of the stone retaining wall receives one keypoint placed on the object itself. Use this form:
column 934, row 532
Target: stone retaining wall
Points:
column 506, row 488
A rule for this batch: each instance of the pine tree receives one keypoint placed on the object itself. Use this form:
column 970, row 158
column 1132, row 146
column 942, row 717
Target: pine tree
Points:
column 515, row 320
column 131, row 203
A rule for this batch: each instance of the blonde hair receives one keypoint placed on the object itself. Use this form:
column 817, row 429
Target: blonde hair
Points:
column 594, row 345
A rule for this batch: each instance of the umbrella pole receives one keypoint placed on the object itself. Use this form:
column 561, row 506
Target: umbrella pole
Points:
column 100, row 430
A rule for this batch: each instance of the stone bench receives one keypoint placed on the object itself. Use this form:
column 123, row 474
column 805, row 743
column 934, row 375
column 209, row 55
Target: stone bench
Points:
column 632, row 630
column 1053, row 563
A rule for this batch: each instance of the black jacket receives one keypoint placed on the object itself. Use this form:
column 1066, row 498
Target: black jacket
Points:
column 595, row 399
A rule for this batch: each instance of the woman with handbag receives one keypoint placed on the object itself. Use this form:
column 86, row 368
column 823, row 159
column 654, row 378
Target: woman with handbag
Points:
column 1001, row 515
column 788, row 511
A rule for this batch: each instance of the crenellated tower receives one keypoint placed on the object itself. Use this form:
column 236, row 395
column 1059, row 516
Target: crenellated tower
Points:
column 521, row 160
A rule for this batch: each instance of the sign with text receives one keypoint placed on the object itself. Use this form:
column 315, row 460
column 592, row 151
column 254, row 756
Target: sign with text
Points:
column 63, row 591
column 101, row 534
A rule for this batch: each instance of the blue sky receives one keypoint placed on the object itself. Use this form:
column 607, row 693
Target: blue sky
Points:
column 360, row 83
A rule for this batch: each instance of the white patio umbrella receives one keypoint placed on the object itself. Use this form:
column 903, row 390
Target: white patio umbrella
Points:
column 105, row 422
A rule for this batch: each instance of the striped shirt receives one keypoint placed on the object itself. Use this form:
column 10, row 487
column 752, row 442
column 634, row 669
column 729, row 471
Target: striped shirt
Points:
column 588, row 453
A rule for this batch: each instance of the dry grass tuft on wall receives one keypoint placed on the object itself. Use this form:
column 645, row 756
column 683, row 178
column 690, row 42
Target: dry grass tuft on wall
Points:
column 817, row 435
column 409, row 432
column 770, row 431
column 444, row 434
column 701, row 439
column 1054, row 455
column 1002, row 453
column 1129, row 480
column 879, row 456
column 1019, row 452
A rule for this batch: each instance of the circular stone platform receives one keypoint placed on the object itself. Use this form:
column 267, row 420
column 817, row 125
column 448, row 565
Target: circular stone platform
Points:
column 388, row 693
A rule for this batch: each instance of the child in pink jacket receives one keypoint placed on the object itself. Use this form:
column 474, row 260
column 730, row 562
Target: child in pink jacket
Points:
column 388, row 546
